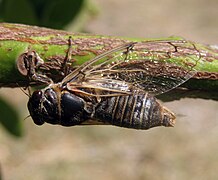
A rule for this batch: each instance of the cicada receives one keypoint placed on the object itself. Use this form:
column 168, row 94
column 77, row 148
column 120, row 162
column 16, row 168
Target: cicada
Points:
column 118, row 87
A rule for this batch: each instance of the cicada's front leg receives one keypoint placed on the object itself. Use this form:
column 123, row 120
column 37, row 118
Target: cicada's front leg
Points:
column 28, row 64
column 31, row 65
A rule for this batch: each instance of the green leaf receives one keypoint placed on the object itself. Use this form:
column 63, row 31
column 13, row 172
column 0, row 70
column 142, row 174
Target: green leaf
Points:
column 50, row 13
column 10, row 119
column 58, row 13
column 17, row 11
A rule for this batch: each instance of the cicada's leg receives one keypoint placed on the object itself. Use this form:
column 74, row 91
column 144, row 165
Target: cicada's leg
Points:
column 65, row 65
column 128, row 50
column 28, row 63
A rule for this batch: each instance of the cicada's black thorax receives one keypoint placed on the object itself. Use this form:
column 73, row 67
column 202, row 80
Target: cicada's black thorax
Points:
column 73, row 110
column 53, row 107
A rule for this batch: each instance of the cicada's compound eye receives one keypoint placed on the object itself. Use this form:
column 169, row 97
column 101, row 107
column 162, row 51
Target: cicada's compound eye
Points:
column 34, row 107
column 37, row 95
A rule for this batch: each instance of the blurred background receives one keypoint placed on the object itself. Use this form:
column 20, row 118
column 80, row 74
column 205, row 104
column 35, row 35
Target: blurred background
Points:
column 187, row 151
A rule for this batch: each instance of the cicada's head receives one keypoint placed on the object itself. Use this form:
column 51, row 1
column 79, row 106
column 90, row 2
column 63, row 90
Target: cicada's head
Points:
column 43, row 106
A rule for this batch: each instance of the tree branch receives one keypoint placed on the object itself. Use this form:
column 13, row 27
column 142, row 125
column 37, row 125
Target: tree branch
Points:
column 52, row 45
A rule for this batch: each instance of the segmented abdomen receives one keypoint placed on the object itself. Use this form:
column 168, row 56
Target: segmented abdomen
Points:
column 137, row 111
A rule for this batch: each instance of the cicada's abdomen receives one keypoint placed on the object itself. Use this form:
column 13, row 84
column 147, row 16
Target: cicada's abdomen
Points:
column 138, row 112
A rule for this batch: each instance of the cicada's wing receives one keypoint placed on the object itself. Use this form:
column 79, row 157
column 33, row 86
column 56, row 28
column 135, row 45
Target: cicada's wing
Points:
column 155, row 78
column 154, row 67
column 103, row 58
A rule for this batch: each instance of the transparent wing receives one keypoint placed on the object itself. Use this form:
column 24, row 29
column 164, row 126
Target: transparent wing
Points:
column 151, row 66
column 106, row 56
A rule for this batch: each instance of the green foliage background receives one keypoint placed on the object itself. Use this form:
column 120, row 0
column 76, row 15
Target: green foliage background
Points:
column 50, row 13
